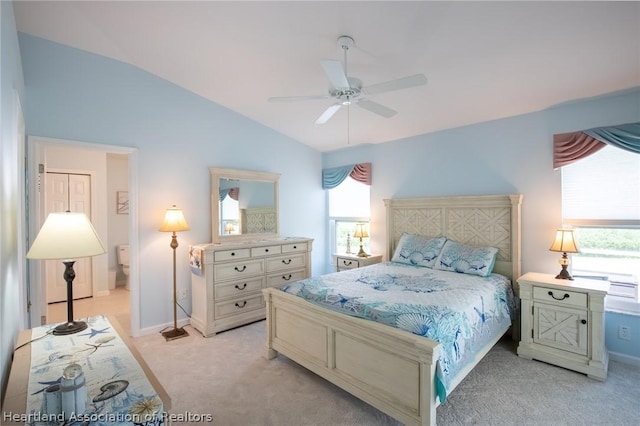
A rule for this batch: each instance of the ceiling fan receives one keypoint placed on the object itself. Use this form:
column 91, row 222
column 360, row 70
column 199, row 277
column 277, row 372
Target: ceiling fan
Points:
column 349, row 90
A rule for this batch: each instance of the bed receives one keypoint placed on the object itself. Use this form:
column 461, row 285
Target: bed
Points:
column 395, row 370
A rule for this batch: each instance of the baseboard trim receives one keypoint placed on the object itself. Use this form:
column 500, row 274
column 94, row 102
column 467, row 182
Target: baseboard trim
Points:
column 624, row 359
column 161, row 327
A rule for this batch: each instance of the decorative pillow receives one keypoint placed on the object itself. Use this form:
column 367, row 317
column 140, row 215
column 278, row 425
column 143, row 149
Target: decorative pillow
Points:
column 466, row 259
column 418, row 250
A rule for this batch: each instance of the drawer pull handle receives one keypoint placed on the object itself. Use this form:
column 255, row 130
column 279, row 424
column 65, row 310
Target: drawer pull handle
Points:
column 243, row 286
column 286, row 278
column 347, row 263
column 240, row 270
column 244, row 303
column 566, row 296
column 584, row 321
column 286, row 262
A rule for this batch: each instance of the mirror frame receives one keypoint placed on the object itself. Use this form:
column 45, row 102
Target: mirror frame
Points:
column 216, row 174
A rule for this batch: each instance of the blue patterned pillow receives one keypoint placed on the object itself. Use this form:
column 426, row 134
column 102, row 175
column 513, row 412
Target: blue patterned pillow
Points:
column 458, row 257
column 418, row 250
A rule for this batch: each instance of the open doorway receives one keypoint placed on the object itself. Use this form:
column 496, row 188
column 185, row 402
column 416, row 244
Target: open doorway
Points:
column 114, row 181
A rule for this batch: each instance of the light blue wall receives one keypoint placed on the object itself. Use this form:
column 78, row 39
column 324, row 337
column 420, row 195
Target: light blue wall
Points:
column 617, row 346
column 11, row 263
column 79, row 96
column 512, row 155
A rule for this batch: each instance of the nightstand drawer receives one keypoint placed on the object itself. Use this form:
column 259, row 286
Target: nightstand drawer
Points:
column 564, row 297
column 346, row 263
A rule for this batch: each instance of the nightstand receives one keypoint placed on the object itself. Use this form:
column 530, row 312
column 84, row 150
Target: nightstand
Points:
column 562, row 322
column 342, row 262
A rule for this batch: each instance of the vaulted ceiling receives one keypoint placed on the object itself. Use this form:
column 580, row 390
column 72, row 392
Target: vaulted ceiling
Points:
column 482, row 60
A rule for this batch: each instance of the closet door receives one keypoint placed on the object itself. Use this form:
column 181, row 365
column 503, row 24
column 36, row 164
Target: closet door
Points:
column 68, row 192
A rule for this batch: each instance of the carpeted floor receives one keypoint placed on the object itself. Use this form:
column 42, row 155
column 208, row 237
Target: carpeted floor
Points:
column 226, row 376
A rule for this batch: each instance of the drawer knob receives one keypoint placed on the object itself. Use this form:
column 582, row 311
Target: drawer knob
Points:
column 286, row 278
column 295, row 247
column 233, row 253
column 266, row 250
column 244, row 303
column 584, row 321
column 240, row 270
column 243, row 286
column 566, row 296
column 286, row 262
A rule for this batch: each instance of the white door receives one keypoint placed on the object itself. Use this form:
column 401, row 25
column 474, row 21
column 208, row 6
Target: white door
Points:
column 70, row 192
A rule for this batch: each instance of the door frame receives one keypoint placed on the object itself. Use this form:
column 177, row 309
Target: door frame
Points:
column 35, row 211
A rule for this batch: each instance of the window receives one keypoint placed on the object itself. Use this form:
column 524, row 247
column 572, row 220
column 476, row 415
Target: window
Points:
column 348, row 205
column 601, row 200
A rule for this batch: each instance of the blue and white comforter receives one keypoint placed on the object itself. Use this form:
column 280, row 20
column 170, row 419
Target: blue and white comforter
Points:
column 462, row 312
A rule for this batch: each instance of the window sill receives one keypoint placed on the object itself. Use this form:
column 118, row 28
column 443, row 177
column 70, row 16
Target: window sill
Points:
column 615, row 304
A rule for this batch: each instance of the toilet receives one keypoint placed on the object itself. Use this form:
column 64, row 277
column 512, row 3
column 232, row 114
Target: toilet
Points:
column 123, row 261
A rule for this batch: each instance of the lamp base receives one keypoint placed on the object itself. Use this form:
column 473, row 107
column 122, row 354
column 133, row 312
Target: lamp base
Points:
column 174, row 334
column 69, row 328
column 564, row 274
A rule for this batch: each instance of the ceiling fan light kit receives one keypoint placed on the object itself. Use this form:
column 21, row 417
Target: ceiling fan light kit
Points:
column 349, row 90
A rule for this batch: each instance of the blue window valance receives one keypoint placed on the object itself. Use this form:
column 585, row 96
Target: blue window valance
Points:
column 571, row 147
column 333, row 177
column 233, row 193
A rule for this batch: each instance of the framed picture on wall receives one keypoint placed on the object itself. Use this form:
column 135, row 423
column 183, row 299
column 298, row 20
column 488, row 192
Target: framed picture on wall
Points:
column 122, row 203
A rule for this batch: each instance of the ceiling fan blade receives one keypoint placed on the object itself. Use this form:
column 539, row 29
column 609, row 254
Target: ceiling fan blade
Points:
column 401, row 83
column 376, row 108
column 328, row 113
column 296, row 98
column 335, row 73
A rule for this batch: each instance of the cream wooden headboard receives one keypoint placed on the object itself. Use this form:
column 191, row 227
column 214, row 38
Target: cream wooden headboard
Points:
column 485, row 220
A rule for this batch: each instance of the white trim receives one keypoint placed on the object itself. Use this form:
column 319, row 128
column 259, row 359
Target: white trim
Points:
column 624, row 359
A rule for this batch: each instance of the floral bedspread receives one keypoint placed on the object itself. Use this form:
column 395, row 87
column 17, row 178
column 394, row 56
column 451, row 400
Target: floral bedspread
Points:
column 462, row 312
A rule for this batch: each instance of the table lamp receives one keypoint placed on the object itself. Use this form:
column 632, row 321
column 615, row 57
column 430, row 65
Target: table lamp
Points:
column 174, row 221
column 229, row 228
column 564, row 243
column 67, row 236
column 361, row 233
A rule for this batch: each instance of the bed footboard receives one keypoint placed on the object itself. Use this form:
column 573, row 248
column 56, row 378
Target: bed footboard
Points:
column 390, row 369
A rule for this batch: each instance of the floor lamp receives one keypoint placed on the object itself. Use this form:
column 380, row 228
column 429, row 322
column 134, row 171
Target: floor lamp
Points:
column 67, row 236
column 174, row 221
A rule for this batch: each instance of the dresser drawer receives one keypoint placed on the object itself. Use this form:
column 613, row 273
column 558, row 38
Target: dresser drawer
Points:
column 560, row 296
column 283, row 263
column 265, row 251
column 276, row 280
column 294, row 247
column 238, row 288
column 223, row 255
column 343, row 263
column 238, row 306
column 238, row 270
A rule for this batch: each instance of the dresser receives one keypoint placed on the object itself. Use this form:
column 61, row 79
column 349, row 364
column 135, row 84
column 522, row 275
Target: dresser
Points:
column 562, row 322
column 226, row 289
column 343, row 262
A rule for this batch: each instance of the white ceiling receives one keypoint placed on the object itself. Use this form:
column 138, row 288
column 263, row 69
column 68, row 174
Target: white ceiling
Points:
column 483, row 60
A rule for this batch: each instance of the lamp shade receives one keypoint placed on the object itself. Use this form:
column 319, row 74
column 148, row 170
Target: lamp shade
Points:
column 66, row 236
column 361, row 231
column 564, row 242
column 174, row 221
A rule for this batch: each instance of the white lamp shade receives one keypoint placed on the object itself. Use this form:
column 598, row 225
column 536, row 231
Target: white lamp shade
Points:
column 66, row 236
column 564, row 242
column 174, row 221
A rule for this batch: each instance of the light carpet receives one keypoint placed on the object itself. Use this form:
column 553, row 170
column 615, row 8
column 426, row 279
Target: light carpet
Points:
column 227, row 376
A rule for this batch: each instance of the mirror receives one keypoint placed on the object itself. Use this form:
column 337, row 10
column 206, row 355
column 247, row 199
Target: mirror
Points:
column 244, row 204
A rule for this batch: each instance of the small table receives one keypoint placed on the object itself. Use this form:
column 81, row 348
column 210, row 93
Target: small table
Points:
column 342, row 262
column 109, row 361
